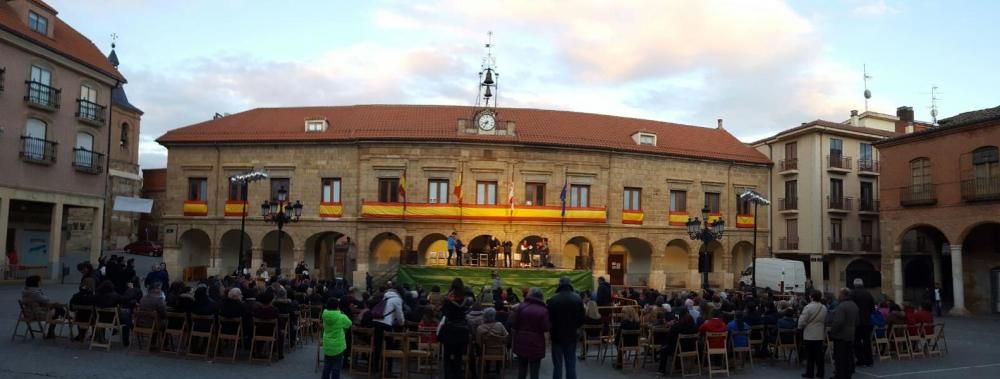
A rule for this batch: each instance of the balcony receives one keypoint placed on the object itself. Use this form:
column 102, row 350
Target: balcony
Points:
column 3, row 73
column 869, row 244
column 42, row 96
column 788, row 243
column 788, row 166
column 918, row 194
column 868, row 205
column 788, row 204
column 840, row 244
column 839, row 204
column 90, row 112
column 981, row 189
column 87, row 161
column 37, row 150
column 838, row 163
column 868, row 167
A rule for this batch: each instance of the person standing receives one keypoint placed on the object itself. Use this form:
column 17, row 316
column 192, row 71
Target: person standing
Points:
column 451, row 246
column 454, row 331
column 812, row 321
column 863, row 333
column 494, row 250
column 937, row 299
column 497, row 290
column 603, row 296
column 387, row 316
column 459, row 246
column 529, row 322
column 566, row 314
column 335, row 323
column 507, row 246
column 844, row 320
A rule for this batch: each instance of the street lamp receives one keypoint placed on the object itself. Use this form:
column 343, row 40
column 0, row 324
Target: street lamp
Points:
column 281, row 212
column 244, row 181
column 706, row 235
column 757, row 199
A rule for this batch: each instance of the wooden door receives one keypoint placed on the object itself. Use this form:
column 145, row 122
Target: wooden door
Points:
column 616, row 269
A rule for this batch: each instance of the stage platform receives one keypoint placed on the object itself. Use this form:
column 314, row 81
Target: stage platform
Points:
column 478, row 277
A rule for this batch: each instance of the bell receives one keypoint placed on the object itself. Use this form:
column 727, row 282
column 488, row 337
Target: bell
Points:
column 489, row 77
column 488, row 94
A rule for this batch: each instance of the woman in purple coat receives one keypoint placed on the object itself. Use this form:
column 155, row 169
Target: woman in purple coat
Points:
column 529, row 322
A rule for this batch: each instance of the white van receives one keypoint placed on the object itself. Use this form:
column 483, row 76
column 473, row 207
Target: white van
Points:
column 773, row 272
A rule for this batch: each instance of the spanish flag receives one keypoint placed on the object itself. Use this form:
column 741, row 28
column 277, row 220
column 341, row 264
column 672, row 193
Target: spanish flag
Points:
column 458, row 186
column 402, row 185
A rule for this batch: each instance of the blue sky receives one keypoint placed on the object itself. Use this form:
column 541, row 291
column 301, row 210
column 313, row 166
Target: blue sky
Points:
column 763, row 66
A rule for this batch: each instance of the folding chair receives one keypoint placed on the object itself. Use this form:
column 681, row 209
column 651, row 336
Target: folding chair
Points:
column 654, row 342
column 742, row 353
column 265, row 332
column 787, row 344
column 880, row 338
column 757, row 337
column 230, row 330
column 720, row 352
column 416, row 353
column 106, row 320
column 28, row 317
column 306, row 324
column 400, row 340
column 687, row 347
column 900, row 341
column 493, row 349
column 61, row 323
column 284, row 329
column 83, row 319
column 175, row 327
column 202, row 330
column 593, row 335
column 630, row 347
column 936, row 344
column 362, row 341
column 144, row 329
column 425, row 341
column 914, row 335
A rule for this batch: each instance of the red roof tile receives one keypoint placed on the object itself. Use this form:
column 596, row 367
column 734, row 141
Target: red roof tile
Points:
column 68, row 42
column 440, row 123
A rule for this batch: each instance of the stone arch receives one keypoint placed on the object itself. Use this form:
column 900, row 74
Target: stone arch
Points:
column 431, row 243
column 717, row 253
column 326, row 255
column 384, row 251
column 479, row 244
column 272, row 256
column 865, row 270
column 974, row 227
column 742, row 256
column 195, row 247
column 980, row 254
column 638, row 259
column 677, row 264
column 229, row 250
column 581, row 247
column 923, row 262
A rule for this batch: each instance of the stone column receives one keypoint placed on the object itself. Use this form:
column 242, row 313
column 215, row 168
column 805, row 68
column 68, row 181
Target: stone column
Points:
column 298, row 255
column 936, row 258
column 214, row 261
column 816, row 272
column 897, row 279
column 958, row 282
column 256, row 258
column 55, row 242
column 358, row 276
column 97, row 235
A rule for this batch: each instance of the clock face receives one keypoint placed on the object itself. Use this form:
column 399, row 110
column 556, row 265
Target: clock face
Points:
column 487, row 122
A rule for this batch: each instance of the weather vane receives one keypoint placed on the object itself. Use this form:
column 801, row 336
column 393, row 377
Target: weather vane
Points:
column 114, row 38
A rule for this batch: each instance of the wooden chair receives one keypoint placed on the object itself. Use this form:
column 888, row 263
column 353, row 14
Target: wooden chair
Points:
column 284, row 329
column 493, row 349
column 106, row 322
column 28, row 317
column 401, row 341
column 935, row 342
column 306, row 324
column 630, row 347
column 316, row 320
column 362, row 341
column 880, row 338
column 743, row 353
column 686, row 348
column 265, row 332
column 757, row 338
column 427, row 348
column 655, row 339
column 83, row 319
column 787, row 344
column 174, row 329
column 230, row 329
column 900, row 341
column 202, row 329
column 414, row 352
column 721, row 352
column 145, row 326
column 593, row 335
column 916, row 340
column 61, row 323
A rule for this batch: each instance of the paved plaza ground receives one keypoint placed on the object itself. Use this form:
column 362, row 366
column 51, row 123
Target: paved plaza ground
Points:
column 972, row 341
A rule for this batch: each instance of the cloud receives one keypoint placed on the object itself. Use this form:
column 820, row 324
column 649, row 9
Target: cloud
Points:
column 874, row 8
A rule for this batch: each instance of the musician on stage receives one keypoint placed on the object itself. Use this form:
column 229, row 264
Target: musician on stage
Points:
column 494, row 249
column 507, row 246
column 525, row 253
column 451, row 245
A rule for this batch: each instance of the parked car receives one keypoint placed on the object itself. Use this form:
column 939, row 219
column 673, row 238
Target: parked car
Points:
column 147, row 248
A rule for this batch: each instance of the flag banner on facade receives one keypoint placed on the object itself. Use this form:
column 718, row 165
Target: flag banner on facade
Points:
column 331, row 210
column 562, row 198
column 235, row 208
column 458, row 186
column 633, row 217
column 481, row 212
column 133, row 204
column 546, row 280
column 195, row 208
column 744, row 221
column 402, row 185
column 713, row 217
column 510, row 193
column 678, row 218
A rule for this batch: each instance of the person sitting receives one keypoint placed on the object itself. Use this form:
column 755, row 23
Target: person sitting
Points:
column 738, row 325
column 265, row 310
column 923, row 315
column 510, row 297
column 38, row 307
column 179, row 298
column 287, row 307
column 684, row 325
column 714, row 324
column 430, row 323
column 107, row 298
column 491, row 329
column 435, row 299
column 788, row 321
column 83, row 300
column 630, row 321
column 154, row 301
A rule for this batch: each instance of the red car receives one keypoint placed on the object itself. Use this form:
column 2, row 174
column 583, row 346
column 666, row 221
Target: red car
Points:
column 147, row 248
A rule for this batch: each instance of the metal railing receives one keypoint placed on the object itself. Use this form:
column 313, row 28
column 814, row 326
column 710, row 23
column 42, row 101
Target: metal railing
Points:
column 788, row 204
column 870, row 244
column 42, row 94
column 918, row 194
column 788, row 243
column 90, row 111
column 840, row 244
column 838, row 162
column 868, row 205
column 868, row 165
column 789, row 164
column 981, row 189
column 88, row 161
column 840, row 203
column 38, row 150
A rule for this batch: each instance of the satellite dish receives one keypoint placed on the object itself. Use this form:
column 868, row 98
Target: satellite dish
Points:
column 868, row 94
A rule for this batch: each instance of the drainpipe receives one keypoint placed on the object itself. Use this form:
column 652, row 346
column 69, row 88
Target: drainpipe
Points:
column 106, row 228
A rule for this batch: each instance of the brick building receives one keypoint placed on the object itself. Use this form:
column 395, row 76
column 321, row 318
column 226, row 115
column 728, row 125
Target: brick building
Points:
column 630, row 186
column 941, row 212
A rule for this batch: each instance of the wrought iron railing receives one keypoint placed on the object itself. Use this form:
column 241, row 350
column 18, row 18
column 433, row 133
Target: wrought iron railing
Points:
column 42, row 94
column 918, row 194
column 868, row 165
column 789, row 164
column 87, row 160
column 838, row 162
column 788, row 204
column 868, row 205
column 90, row 111
column 981, row 189
column 788, row 243
column 38, row 150
column 870, row 244
column 840, row 203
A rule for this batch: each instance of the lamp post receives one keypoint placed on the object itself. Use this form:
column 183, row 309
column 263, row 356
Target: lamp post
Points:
column 244, row 181
column 280, row 213
column 706, row 235
column 757, row 199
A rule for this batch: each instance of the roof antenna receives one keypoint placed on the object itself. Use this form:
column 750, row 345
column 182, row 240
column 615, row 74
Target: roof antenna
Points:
column 868, row 93
column 934, row 104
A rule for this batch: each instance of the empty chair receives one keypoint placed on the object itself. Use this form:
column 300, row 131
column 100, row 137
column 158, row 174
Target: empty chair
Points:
column 900, row 341
column 362, row 340
column 718, row 351
column 83, row 319
column 230, row 330
column 593, row 335
column 687, row 348
column 630, row 347
column 880, row 338
column 935, row 342
column 265, row 335
column 174, row 328
column 394, row 347
column 200, row 337
column 145, row 326
column 757, row 337
column 106, row 322
column 786, row 344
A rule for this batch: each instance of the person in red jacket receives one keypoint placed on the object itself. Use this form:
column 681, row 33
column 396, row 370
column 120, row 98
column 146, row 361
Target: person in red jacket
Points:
column 714, row 325
column 925, row 317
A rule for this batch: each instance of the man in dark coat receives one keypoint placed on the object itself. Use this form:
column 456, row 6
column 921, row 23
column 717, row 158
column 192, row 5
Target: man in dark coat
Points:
column 603, row 297
column 863, row 333
column 566, row 315
column 843, row 322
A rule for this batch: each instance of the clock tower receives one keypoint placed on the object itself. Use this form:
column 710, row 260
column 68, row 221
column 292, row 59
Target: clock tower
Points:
column 484, row 117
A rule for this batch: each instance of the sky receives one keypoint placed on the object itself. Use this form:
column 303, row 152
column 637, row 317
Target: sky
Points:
column 762, row 66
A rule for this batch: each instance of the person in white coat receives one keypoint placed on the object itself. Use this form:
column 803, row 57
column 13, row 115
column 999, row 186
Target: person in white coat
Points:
column 812, row 321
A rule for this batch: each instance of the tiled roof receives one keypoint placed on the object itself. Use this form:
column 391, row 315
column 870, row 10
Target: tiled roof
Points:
column 831, row 125
column 68, row 42
column 957, row 122
column 440, row 123
column 971, row 117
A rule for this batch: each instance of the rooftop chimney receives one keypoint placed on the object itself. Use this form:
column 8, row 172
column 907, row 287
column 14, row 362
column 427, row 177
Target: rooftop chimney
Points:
column 905, row 123
column 719, row 121
column 854, row 117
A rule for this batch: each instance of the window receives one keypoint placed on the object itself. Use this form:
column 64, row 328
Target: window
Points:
column 88, row 102
column 792, row 228
column 632, row 199
column 791, row 151
column 437, row 191
column 712, row 202
column 534, row 193
column 331, row 190
column 123, row 139
column 986, row 161
column 84, row 151
column 34, row 145
column 39, row 91
column 744, row 206
column 198, row 189
column 836, row 147
column 678, row 201
column 867, row 230
column 791, row 189
column 579, row 195
column 38, row 23
column 647, row 139
column 486, row 193
column 836, row 232
column 388, row 190
column 866, row 152
column 315, row 125
column 867, row 192
column 920, row 172
column 278, row 184
column 836, row 189
column 236, row 191
column 35, row 128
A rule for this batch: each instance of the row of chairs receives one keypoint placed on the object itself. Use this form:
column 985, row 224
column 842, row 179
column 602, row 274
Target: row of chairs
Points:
column 900, row 341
